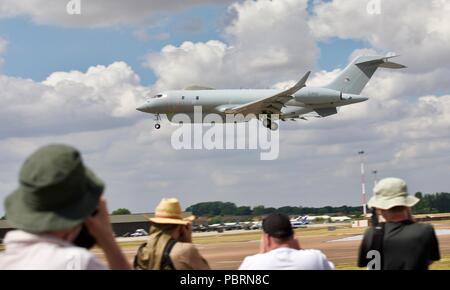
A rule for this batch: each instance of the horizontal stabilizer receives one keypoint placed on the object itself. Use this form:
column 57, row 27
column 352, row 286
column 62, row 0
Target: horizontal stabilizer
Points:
column 383, row 62
column 392, row 65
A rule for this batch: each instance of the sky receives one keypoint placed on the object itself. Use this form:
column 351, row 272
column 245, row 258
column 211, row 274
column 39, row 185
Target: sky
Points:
column 77, row 79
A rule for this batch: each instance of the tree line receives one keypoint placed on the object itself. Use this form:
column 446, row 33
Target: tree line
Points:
column 429, row 203
column 432, row 203
column 218, row 208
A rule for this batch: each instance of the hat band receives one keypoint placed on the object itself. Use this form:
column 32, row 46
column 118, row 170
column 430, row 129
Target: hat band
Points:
column 166, row 216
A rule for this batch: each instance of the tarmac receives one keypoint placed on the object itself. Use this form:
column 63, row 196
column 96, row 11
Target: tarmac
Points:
column 341, row 249
column 228, row 256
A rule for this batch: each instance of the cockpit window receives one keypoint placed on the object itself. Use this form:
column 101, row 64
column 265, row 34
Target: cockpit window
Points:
column 149, row 97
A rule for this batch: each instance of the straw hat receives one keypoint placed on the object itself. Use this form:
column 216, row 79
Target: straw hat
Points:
column 391, row 192
column 168, row 211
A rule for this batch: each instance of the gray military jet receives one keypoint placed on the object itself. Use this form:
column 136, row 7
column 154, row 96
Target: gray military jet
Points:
column 291, row 104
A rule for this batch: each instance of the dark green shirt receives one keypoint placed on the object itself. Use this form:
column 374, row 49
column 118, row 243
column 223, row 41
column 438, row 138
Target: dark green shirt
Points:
column 406, row 246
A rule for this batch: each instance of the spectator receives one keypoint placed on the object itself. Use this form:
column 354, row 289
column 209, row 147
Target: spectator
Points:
column 169, row 246
column 402, row 244
column 280, row 250
column 57, row 205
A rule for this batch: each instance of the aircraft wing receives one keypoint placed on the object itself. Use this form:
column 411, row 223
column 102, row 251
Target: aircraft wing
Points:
column 269, row 105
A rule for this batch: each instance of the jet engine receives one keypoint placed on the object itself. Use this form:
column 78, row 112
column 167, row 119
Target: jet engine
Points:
column 316, row 96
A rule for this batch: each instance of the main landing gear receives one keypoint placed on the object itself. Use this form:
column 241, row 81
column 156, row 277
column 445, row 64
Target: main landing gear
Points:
column 269, row 124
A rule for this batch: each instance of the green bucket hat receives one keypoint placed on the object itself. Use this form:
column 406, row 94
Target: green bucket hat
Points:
column 391, row 192
column 56, row 191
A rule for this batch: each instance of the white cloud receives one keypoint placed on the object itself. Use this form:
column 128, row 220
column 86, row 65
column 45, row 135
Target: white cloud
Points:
column 418, row 30
column 140, row 166
column 177, row 67
column 267, row 41
column 409, row 154
column 95, row 13
column 224, row 178
column 427, row 119
column 102, row 97
column 362, row 52
column 403, row 127
column 318, row 79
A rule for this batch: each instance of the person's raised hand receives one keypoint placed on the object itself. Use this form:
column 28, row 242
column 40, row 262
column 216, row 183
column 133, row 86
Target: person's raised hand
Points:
column 99, row 225
column 186, row 235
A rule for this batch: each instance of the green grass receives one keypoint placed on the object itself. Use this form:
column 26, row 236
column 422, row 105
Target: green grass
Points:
column 443, row 264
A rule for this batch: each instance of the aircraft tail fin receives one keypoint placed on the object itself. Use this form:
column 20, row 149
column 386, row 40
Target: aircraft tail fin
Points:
column 357, row 74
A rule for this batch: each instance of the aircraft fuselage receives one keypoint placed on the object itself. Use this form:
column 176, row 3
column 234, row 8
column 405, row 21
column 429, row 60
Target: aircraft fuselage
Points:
column 291, row 103
column 217, row 101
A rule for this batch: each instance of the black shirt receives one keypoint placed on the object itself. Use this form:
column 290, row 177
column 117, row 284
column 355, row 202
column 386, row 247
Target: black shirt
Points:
column 406, row 246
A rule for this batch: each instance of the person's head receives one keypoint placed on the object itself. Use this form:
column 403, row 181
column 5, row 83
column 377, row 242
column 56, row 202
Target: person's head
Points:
column 391, row 199
column 397, row 213
column 56, row 193
column 277, row 232
column 178, row 233
column 168, row 218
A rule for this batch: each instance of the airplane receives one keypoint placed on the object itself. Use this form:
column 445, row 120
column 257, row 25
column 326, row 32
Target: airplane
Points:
column 300, row 221
column 291, row 104
column 256, row 226
column 232, row 226
column 220, row 227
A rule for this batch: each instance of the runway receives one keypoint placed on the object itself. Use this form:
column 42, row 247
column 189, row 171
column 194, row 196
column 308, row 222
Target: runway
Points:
column 230, row 255
column 343, row 253
column 439, row 233
column 227, row 250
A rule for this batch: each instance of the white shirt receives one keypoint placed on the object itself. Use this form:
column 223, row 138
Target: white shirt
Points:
column 25, row 251
column 287, row 259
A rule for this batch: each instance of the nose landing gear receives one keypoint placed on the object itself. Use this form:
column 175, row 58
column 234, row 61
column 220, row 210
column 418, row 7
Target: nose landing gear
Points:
column 157, row 119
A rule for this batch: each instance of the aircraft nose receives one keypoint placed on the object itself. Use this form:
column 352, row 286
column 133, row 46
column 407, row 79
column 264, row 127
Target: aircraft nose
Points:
column 142, row 108
column 153, row 107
